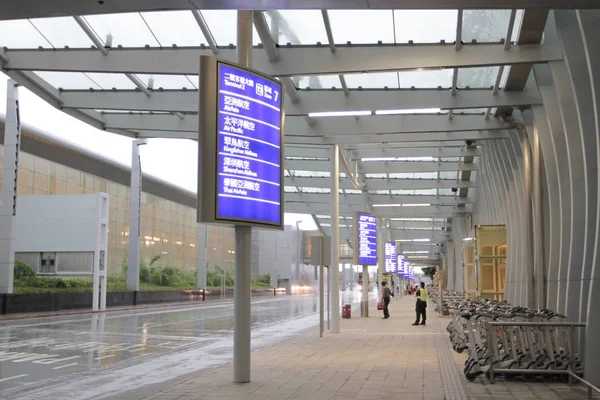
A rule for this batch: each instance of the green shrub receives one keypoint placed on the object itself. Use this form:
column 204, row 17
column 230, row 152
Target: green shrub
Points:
column 144, row 273
column 23, row 270
column 214, row 278
column 263, row 280
column 53, row 283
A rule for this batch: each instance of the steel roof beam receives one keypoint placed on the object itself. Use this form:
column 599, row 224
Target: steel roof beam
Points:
column 403, row 152
column 417, row 224
column 375, row 200
column 381, row 184
column 90, row 33
column 56, row 8
column 388, row 212
column 532, row 30
column 328, row 30
column 419, row 140
column 332, row 126
column 385, row 167
column 437, row 137
column 44, row 90
column 394, row 225
column 456, row 144
column 383, row 152
column 419, row 245
column 205, row 31
column 295, row 60
column 323, row 100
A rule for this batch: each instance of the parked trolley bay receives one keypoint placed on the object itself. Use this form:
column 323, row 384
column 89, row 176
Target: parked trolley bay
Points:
column 512, row 342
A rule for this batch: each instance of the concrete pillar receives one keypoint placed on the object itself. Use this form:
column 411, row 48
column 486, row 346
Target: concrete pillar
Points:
column 334, row 269
column 135, row 200
column 380, row 255
column 202, row 256
column 8, row 195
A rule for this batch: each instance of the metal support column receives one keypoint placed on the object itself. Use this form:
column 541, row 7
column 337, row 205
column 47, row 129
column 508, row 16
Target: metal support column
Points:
column 8, row 195
column 380, row 257
column 539, row 251
column 202, row 257
column 298, row 253
column 135, row 200
column 329, row 298
column 334, row 268
column 321, row 300
column 241, row 304
column 364, row 303
column 529, row 221
column 243, row 241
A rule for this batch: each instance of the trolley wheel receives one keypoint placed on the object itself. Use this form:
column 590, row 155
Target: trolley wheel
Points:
column 471, row 376
column 509, row 376
column 547, row 378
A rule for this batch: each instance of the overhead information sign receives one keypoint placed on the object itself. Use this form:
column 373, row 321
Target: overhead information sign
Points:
column 241, row 146
column 365, row 239
column 391, row 258
column 401, row 266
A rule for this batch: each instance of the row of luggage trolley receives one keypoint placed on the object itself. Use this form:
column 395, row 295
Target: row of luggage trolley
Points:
column 513, row 342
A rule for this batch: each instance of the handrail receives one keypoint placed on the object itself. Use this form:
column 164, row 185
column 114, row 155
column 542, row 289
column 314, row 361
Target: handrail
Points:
column 586, row 383
column 533, row 371
column 559, row 324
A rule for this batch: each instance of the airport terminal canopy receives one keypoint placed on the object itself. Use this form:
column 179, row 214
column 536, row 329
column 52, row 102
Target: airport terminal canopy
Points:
column 411, row 95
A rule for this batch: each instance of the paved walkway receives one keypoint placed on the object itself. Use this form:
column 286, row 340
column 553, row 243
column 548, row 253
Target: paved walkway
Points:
column 371, row 359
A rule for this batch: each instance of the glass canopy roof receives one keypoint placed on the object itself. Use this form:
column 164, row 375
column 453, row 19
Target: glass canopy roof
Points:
column 435, row 166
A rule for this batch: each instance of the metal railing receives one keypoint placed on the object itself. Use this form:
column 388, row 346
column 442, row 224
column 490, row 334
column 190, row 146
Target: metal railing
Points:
column 571, row 372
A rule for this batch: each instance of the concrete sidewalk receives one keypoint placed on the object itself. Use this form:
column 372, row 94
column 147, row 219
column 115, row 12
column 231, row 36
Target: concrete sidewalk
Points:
column 370, row 359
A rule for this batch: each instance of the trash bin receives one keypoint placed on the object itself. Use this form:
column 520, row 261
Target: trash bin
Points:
column 347, row 311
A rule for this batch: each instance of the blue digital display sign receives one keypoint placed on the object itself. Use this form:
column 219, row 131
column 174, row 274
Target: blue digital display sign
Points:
column 391, row 258
column 365, row 226
column 401, row 266
column 249, row 147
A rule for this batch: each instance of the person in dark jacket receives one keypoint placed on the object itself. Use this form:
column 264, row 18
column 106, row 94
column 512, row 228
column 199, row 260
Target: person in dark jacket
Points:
column 385, row 296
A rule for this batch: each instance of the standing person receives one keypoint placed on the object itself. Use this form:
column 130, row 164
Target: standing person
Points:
column 385, row 296
column 421, row 308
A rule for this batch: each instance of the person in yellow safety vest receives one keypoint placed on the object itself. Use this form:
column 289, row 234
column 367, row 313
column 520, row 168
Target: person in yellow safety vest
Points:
column 421, row 308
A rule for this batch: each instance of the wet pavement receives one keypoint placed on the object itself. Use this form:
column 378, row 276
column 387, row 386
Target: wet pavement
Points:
column 98, row 355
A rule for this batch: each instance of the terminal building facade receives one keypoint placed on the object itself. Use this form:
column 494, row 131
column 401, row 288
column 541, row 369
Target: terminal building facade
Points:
column 49, row 166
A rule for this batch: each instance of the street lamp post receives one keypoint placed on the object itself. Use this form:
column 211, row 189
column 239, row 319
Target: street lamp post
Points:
column 133, row 257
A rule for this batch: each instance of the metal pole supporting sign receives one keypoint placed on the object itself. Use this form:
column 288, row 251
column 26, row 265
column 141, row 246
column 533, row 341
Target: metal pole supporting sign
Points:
column 321, row 256
column 365, row 252
column 240, row 174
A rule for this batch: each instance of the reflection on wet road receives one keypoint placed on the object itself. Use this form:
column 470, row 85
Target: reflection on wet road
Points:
column 80, row 357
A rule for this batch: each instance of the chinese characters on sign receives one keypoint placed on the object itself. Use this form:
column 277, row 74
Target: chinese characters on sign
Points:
column 401, row 266
column 366, row 239
column 249, row 147
column 410, row 274
column 391, row 259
